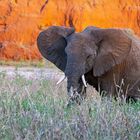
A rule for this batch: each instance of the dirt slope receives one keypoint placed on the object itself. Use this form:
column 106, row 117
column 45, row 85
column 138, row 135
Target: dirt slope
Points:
column 21, row 21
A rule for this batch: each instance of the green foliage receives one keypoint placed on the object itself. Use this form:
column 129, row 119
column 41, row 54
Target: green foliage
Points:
column 36, row 109
column 23, row 63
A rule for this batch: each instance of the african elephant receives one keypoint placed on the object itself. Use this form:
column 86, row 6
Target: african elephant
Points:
column 107, row 59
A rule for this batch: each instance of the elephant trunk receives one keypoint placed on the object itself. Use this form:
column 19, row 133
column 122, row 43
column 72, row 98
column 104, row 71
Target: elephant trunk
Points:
column 75, row 87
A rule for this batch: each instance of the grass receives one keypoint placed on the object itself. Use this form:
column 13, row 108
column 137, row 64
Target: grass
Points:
column 36, row 110
column 28, row 63
column 24, row 63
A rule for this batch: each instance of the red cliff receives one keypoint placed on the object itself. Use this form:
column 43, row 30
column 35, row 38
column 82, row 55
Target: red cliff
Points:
column 21, row 21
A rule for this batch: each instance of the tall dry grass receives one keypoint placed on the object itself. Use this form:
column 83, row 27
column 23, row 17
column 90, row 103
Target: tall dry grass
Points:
column 36, row 110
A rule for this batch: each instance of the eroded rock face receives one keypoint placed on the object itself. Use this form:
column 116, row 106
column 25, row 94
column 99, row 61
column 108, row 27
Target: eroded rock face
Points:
column 22, row 20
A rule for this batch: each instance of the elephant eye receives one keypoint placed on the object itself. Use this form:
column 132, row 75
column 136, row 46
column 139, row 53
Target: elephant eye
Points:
column 88, row 56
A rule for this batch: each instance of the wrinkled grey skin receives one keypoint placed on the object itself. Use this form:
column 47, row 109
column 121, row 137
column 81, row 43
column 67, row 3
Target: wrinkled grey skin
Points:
column 109, row 58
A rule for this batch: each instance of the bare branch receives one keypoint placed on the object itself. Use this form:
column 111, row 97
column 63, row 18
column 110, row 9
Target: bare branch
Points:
column 43, row 6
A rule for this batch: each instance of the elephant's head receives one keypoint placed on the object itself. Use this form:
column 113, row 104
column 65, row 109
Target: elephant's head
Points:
column 78, row 53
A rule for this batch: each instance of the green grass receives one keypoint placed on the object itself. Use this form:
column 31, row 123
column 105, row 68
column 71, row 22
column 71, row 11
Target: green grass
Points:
column 34, row 63
column 22, row 63
column 36, row 110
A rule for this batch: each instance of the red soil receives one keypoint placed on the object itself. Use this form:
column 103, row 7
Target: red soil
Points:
column 22, row 20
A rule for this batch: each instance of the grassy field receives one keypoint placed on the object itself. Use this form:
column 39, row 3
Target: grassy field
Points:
column 28, row 63
column 36, row 110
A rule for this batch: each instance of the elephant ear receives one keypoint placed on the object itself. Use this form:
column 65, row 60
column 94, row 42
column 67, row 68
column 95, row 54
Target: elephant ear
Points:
column 52, row 42
column 113, row 47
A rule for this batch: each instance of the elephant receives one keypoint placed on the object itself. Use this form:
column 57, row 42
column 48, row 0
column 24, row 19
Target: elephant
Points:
column 106, row 58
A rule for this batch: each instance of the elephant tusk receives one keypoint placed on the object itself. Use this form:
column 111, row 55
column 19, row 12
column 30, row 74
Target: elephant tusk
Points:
column 84, row 81
column 61, row 79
